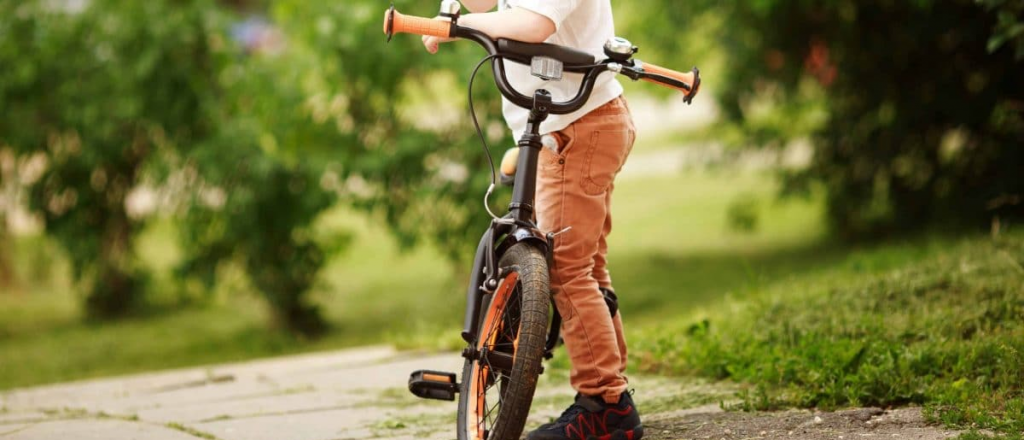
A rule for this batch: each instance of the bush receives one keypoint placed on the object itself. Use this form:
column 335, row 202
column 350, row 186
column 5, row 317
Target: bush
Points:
column 119, row 95
column 328, row 119
column 406, row 149
column 101, row 94
column 923, row 100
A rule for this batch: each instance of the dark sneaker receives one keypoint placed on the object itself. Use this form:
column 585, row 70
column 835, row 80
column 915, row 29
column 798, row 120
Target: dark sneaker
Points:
column 592, row 419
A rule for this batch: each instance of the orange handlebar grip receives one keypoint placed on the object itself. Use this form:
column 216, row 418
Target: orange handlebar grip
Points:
column 691, row 79
column 396, row 23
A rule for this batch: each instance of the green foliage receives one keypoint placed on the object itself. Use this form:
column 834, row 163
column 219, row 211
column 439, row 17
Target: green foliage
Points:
column 946, row 332
column 100, row 94
column 264, row 224
column 978, row 435
column 329, row 119
column 409, row 152
column 1009, row 29
column 924, row 122
column 253, row 147
column 116, row 96
column 257, row 190
column 742, row 214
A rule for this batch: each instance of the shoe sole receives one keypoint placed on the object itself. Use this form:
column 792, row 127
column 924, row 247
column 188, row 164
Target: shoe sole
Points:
column 631, row 434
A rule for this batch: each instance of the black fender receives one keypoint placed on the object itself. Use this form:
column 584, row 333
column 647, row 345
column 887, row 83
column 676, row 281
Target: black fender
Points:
column 485, row 262
column 523, row 234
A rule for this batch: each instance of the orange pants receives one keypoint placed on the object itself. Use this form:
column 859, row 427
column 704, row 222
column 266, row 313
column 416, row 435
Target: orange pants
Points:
column 575, row 190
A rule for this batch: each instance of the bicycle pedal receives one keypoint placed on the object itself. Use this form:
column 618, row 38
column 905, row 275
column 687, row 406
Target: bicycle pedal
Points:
column 437, row 385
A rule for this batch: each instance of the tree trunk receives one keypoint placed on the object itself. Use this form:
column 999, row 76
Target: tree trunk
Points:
column 115, row 291
column 6, row 269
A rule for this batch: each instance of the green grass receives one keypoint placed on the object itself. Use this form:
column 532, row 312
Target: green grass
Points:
column 672, row 251
column 43, row 337
column 801, row 320
column 190, row 431
column 938, row 323
column 672, row 254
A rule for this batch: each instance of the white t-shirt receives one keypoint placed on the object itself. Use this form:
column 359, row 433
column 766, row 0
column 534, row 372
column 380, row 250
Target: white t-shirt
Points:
column 580, row 24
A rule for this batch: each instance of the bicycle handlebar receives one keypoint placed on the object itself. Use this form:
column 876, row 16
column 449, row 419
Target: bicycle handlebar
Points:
column 396, row 23
column 688, row 83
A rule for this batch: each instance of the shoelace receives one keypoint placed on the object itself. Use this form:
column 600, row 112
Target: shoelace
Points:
column 571, row 413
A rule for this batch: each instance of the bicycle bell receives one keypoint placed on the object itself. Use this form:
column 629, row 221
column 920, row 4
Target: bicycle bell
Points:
column 619, row 49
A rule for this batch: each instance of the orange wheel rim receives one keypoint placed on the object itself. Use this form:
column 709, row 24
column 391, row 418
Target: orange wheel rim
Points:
column 488, row 339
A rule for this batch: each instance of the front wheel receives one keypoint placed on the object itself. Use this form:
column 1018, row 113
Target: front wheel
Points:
column 497, row 388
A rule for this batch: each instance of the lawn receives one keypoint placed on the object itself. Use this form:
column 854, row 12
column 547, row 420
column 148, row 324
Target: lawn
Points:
column 673, row 254
column 802, row 320
column 943, row 327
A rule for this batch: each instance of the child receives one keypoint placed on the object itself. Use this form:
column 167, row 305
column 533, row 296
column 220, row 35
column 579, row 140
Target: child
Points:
column 584, row 152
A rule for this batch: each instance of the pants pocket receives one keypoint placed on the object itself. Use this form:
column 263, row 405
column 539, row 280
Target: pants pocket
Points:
column 556, row 159
column 605, row 156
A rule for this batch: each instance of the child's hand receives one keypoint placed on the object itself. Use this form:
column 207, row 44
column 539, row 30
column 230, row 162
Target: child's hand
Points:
column 432, row 43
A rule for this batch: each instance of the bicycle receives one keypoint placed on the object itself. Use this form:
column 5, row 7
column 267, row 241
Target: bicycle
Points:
column 507, row 326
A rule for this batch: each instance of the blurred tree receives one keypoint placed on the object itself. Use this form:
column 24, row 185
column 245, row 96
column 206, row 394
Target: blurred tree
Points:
column 102, row 92
column 258, row 190
column 264, row 223
column 925, row 107
column 336, row 115
column 406, row 147
column 6, row 190
column 114, row 95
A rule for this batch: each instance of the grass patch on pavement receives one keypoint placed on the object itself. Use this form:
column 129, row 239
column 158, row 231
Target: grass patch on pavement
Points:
column 945, row 330
column 190, row 431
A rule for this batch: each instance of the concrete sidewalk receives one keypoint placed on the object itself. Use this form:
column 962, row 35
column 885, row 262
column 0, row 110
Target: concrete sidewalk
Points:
column 350, row 394
column 362, row 393
column 358, row 393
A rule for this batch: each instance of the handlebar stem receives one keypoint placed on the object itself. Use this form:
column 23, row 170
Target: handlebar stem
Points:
column 541, row 105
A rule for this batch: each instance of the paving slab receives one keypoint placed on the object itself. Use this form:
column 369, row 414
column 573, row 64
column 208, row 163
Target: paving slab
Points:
column 9, row 417
column 87, row 393
column 394, row 373
column 93, row 429
column 132, row 404
column 12, row 428
column 362, row 422
column 251, row 407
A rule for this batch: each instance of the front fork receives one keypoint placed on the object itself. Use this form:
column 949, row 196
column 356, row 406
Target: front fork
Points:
column 518, row 226
column 486, row 273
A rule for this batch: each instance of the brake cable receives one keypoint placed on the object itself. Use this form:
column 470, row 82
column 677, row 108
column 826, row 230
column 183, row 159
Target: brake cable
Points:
column 483, row 139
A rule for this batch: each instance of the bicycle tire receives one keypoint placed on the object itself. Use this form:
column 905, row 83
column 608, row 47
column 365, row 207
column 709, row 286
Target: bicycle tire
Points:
column 521, row 315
